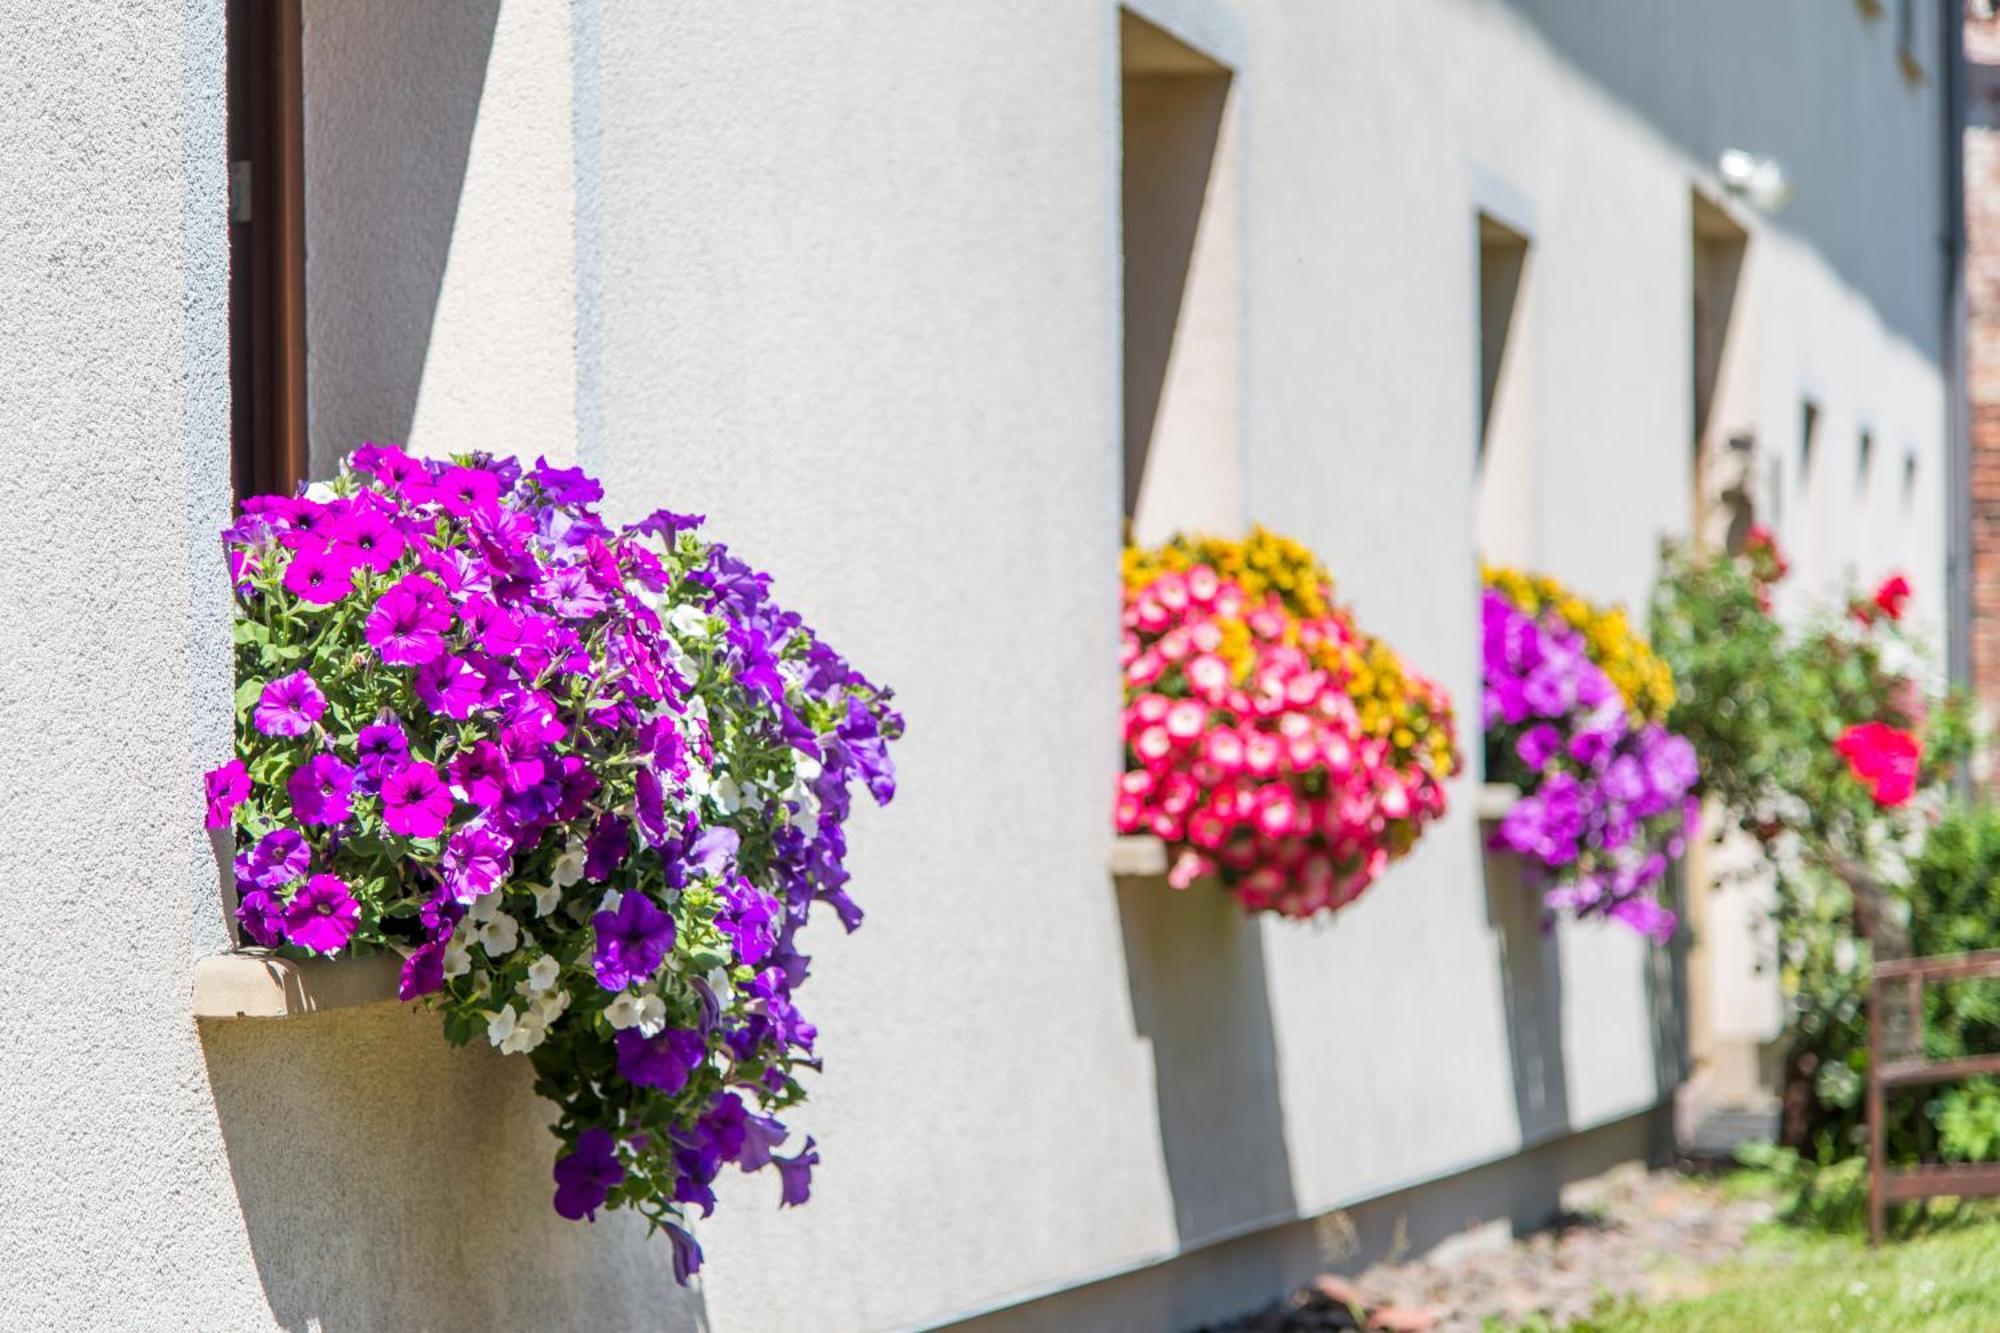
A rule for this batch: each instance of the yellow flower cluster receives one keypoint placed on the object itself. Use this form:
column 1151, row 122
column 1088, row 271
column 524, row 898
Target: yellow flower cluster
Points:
column 1264, row 562
column 1617, row 649
column 1391, row 702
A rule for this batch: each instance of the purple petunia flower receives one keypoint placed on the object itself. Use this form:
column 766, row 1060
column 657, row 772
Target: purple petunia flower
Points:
column 407, row 626
column 795, row 1175
column 631, row 941
column 662, row 1062
column 228, row 787
column 1538, row 745
column 322, row 916
column 262, row 917
column 278, row 858
column 423, row 972
column 380, row 749
column 320, row 789
column 289, row 706
column 687, row 1254
column 610, row 842
column 585, row 1176
column 415, row 803
column 450, row 686
column 566, row 485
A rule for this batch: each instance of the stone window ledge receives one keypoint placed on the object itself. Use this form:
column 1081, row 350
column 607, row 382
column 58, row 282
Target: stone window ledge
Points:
column 253, row 984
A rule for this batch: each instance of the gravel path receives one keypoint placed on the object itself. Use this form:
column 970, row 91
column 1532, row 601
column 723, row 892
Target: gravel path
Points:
column 1645, row 1234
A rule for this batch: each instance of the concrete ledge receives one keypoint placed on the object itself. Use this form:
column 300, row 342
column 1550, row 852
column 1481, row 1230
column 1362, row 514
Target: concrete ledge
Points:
column 252, row 984
column 1139, row 857
column 1494, row 800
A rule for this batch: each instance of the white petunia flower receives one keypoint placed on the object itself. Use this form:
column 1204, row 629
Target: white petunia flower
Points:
column 609, row 902
column 500, row 1026
column 728, row 796
column 652, row 1015
column 623, row 1011
column 549, row 1008
column 457, row 958
column 547, row 898
column 542, row 973
column 499, row 935
column 718, row 982
column 529, row 1032
column 569, row 867
column 689, row 622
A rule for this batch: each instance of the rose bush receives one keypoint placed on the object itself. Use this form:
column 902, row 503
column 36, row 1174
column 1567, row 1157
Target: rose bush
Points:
column 1268, row 739
column 587, row 780
column 1827, row 745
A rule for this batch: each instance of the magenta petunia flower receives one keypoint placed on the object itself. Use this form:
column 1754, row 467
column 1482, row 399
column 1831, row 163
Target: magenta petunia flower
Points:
column 228, row 787
column 321, row 790
column 475, row 861
column 321, row 916
column 479, row 775
column 450, row 685
column 407, row 626
column 289, row 706
column 459, row 491
column 369, row 536
column 387, row 464
column 319, row 573
column 415, row 803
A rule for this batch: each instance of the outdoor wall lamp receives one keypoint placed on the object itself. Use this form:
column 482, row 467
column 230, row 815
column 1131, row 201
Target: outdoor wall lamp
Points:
column 1761, row 181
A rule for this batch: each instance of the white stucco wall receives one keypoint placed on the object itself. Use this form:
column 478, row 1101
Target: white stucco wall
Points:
column 847, row 279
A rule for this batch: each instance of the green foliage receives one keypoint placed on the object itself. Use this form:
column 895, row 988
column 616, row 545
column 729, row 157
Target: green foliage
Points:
column 1764, row 706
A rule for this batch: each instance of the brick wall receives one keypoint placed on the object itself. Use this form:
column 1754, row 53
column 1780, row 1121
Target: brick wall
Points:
column 1982, row 278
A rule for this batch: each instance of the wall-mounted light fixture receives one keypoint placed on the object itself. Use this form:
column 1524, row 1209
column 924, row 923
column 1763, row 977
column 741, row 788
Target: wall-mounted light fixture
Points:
column 1759, row 181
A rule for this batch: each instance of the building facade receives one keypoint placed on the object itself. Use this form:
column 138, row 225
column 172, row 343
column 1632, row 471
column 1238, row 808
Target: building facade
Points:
column 921, row 304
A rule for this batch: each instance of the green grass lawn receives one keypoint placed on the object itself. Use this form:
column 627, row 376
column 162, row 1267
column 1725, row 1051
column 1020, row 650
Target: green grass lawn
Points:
column 1788, row 1279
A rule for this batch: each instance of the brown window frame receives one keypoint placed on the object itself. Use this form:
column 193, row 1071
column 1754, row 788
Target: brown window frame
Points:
column 267, row 270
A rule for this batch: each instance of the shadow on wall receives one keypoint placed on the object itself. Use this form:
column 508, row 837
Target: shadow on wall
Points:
column 1667, row 992
column 390, row 1180
column 1716, row 74
column 1521, row 1193
column 391, row 94
column 1531, row 995
column 1195, row 963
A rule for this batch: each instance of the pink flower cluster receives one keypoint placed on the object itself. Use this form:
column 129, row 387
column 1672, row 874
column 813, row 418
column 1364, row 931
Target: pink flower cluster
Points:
column 1249, row 754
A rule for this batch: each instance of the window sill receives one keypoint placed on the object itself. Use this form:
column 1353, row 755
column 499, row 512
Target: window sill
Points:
column 1494, row 800
column 1139, row 857
column 253, row 984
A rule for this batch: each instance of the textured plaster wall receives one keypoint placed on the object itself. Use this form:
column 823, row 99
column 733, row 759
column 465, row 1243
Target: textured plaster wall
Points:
column 848, row 280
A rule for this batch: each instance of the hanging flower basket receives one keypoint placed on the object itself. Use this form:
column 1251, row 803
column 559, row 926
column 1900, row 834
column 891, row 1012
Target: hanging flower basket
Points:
column 1573, row 707
column 586, row 781
column 1269, row 741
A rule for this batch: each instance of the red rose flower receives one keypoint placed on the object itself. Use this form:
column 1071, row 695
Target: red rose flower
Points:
column 1883, row 758
column 1893, row 596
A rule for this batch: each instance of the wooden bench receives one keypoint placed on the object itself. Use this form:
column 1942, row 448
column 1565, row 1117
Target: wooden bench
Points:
column 1896, row 1060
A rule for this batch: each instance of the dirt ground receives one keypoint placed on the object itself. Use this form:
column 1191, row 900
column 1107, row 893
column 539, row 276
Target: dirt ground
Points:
column 1637, row 1233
